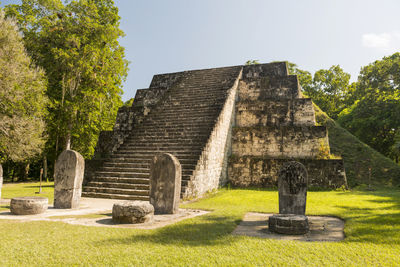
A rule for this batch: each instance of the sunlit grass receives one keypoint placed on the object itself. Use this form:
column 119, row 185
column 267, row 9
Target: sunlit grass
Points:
column 372, row 228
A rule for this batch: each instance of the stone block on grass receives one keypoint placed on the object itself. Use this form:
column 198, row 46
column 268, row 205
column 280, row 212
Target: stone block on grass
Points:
column 28, row 205
column 133, row 212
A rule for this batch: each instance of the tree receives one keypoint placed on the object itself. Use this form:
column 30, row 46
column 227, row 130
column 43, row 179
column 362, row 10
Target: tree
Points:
column 375, row 116
column 330, row 90
column 22, row 98
column 77, row 45
column 305, row 77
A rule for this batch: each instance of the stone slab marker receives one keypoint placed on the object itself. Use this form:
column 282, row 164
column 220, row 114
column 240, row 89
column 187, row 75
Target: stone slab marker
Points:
column 1, row 179
column 292, row 186
column 165, row 183
column 68, row 179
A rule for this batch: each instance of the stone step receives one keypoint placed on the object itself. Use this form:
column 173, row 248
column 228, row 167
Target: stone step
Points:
column 165, row 146
column 141, row 161
column 140, row 166
column 119, row 185
column 151, row 123
column 122, row 174
column 175, row 130
column 124, row 169
column 120, row 191
column 114, row 196
column 110, row 179
column 132, row 172
column 136, row 181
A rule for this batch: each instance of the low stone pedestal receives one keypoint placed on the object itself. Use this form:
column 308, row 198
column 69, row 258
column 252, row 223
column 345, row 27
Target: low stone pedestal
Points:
column 288, row 224
column 28, row 205
column 133, row 212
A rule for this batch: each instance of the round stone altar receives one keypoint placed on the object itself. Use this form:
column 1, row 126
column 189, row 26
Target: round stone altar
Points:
column 133, row 212
column 28, row 205
column 289, row 224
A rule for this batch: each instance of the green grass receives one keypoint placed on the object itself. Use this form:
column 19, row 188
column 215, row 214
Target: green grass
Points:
column 358, row 156
column 11, row 190
column 372, row 231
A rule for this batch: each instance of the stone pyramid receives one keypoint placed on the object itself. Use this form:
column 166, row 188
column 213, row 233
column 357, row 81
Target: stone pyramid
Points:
column 248, row 119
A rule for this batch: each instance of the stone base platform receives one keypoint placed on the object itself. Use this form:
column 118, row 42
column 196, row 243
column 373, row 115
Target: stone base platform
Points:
column 288, row 224
column 321, row 228
column 90, row 206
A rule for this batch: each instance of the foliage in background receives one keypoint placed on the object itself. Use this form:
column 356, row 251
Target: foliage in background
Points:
column 252, row 62
column 329, row 89
column 375, row 115
column 22, row 98
column 129, row 103
column 76, row 43
column 358, row 157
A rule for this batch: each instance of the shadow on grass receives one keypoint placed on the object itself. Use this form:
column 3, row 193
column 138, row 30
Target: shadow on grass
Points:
column 204, row 230
column 37, row 186
column 379, row 225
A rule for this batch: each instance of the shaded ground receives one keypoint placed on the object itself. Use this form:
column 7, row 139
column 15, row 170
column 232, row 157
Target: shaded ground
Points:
column 321, row 228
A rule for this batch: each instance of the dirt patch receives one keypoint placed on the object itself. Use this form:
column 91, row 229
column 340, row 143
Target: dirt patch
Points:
column 321, row 228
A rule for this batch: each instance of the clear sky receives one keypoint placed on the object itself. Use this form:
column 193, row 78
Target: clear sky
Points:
column 175, row 35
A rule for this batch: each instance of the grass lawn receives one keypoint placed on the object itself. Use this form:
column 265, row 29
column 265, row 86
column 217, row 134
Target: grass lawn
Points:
column 372, row 235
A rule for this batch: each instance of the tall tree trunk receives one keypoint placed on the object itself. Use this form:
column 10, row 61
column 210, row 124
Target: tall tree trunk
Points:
column 25, row 172
column 55, row 158
column 45, row 168
column 69, row 133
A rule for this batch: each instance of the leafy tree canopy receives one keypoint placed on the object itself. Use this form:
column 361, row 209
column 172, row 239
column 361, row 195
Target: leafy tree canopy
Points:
column 22, row 97
column 76, row 43
column 375, row 115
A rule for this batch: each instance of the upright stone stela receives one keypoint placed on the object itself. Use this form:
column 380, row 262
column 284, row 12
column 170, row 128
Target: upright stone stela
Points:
column 68, row 179
column 165, row 183
column 292, row 186
column 192, row 115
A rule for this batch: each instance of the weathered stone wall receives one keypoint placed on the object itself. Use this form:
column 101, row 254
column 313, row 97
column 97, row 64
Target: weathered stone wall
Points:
column 250, row 171
column 285, row 141
column 262, row 70
column 271, row 87
column 166, row 80
column 211, row 169
column 275, row 112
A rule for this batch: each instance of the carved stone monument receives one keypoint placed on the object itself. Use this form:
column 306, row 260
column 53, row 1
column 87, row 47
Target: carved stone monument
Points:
column 133, row 212
column 165, row 183
column 292, row 186
column 1, row 179
column 28, row 205
column 68, row 179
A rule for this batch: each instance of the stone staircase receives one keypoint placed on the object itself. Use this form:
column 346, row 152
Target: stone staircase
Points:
column 180, row 124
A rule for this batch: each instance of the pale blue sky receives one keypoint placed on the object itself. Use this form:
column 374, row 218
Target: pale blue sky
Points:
column 175, row 35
